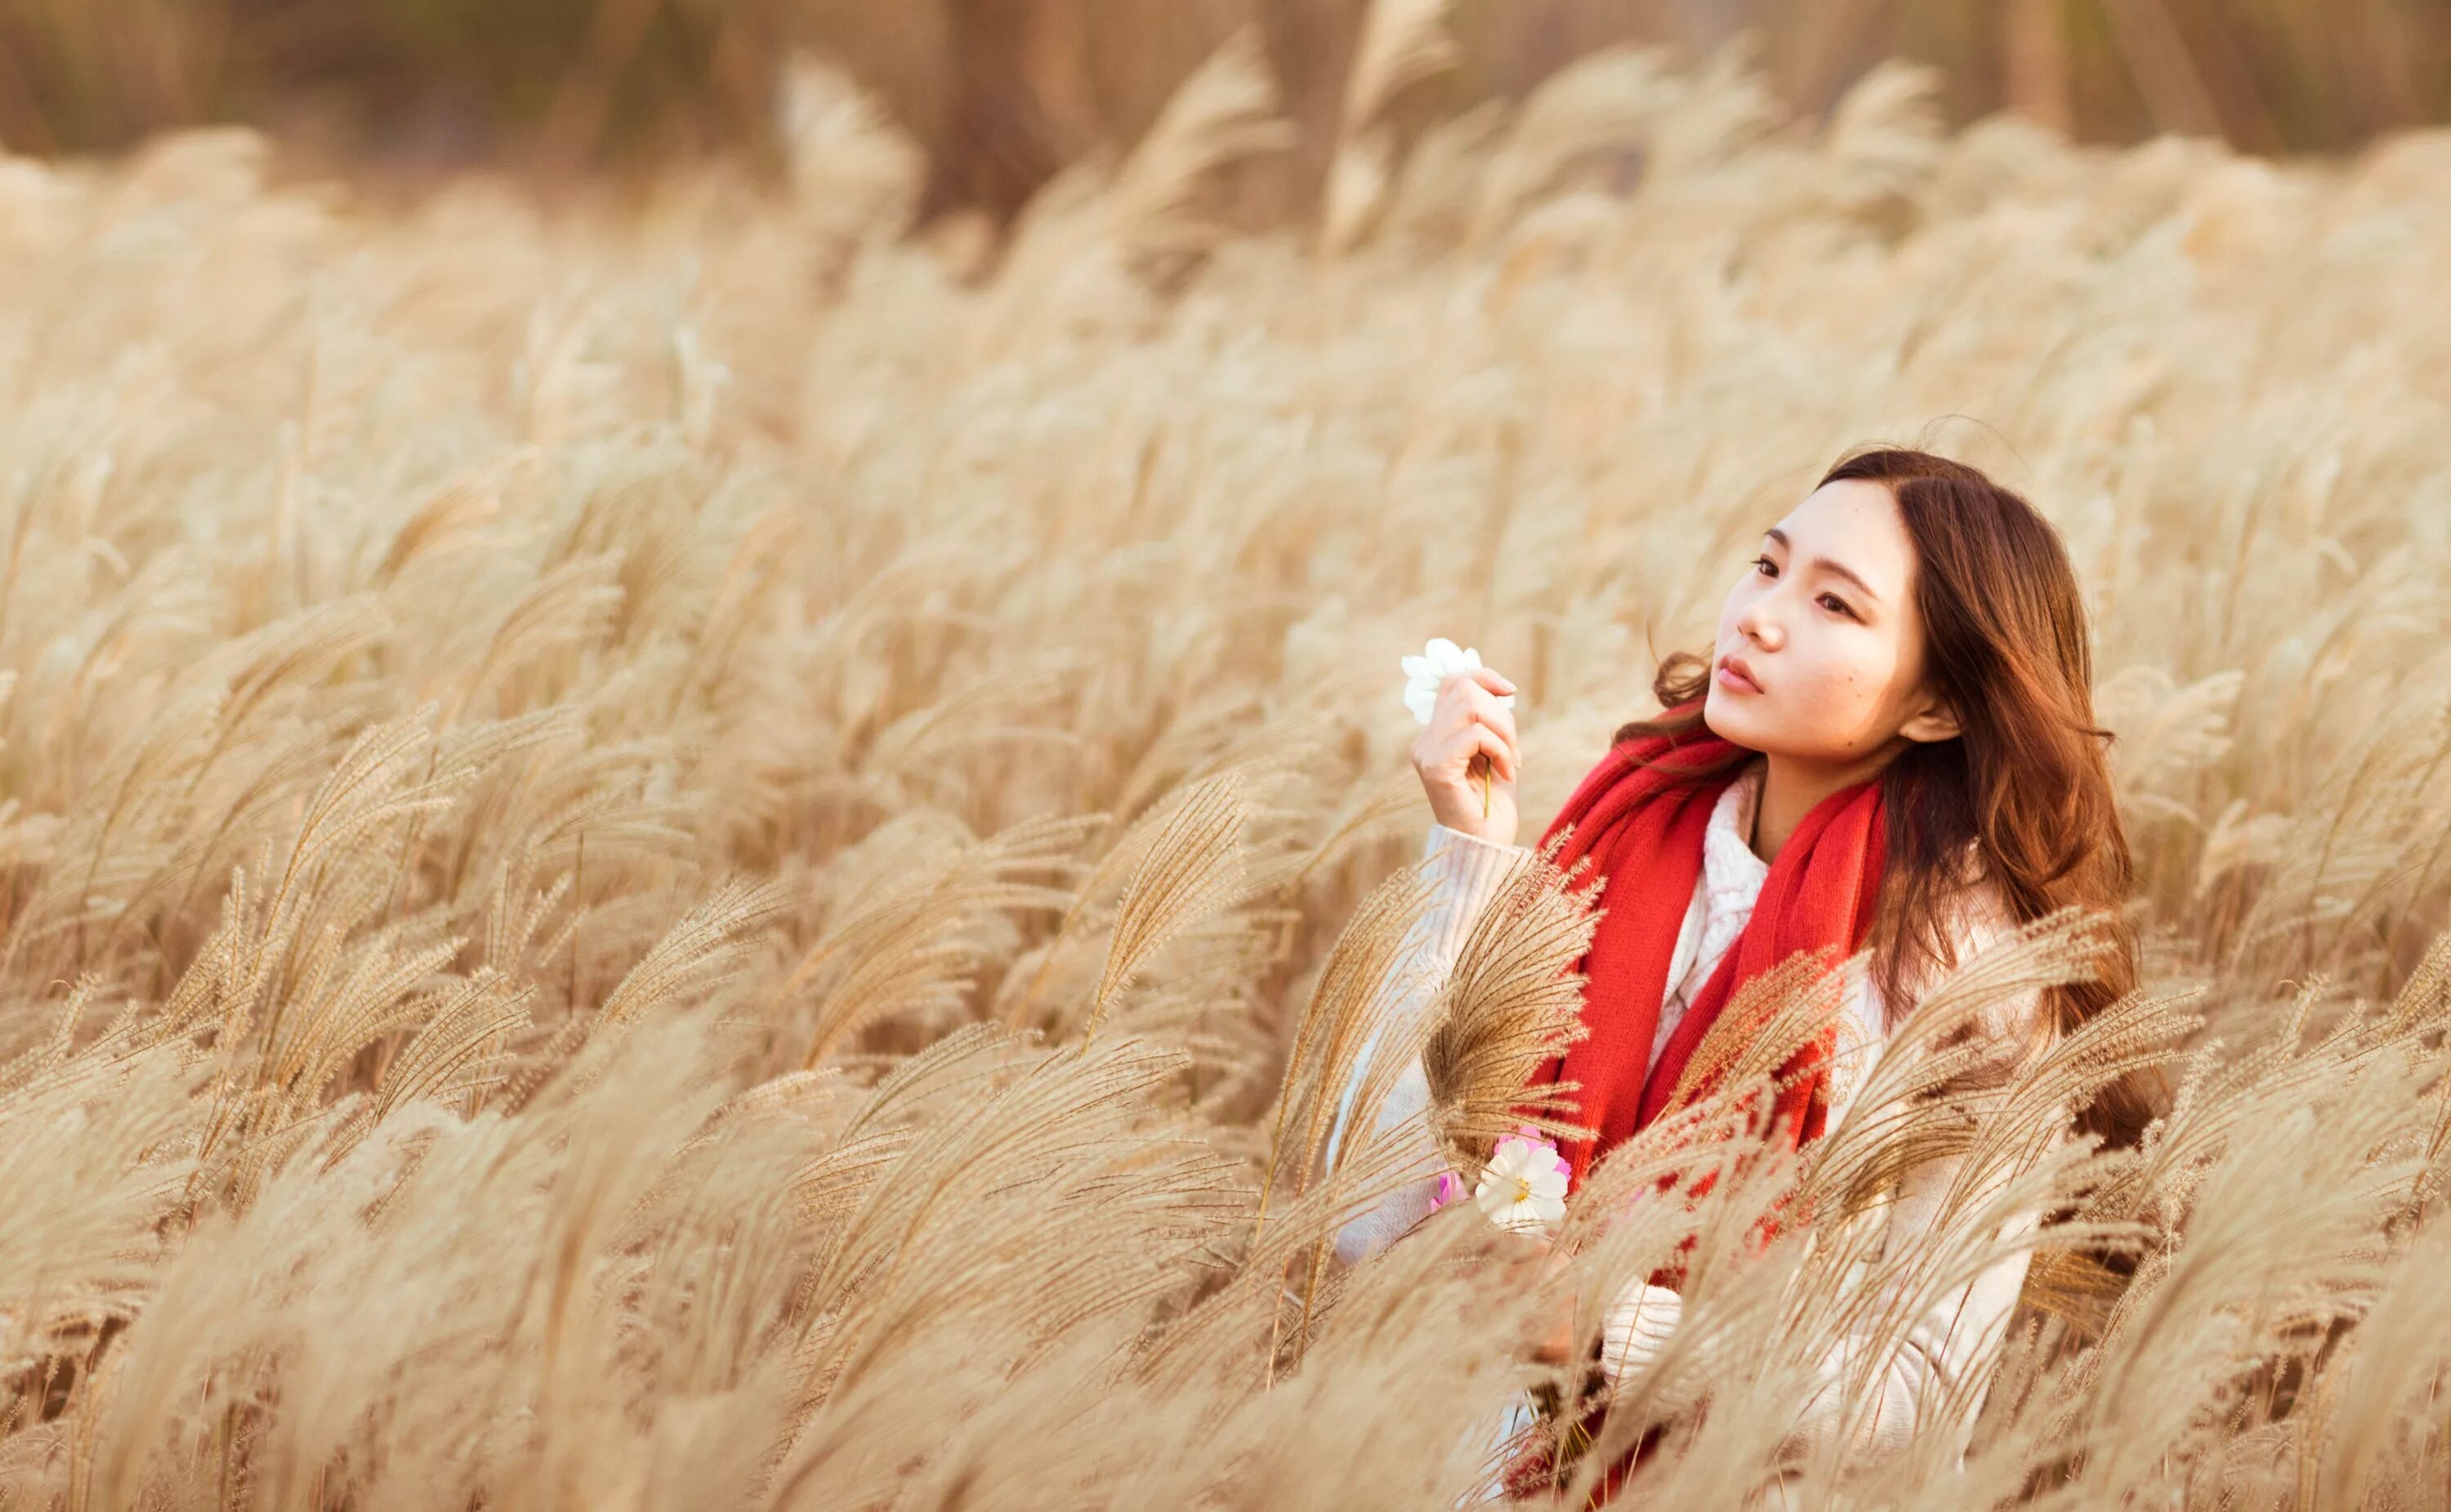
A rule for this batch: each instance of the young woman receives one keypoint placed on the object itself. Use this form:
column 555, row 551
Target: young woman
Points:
column 1892, row 745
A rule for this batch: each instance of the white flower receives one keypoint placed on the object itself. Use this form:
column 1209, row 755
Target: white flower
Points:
column 1437, row 661
column 1524, row 1186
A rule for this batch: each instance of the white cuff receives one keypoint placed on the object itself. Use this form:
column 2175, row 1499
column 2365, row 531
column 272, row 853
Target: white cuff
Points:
column 1470, row 871
column 1635, row 1325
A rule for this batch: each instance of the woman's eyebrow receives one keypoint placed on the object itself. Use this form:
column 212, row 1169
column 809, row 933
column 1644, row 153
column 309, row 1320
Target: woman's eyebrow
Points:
column 1833, row 568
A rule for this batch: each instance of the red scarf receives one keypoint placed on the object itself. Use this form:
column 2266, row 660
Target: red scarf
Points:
column 1641, row 815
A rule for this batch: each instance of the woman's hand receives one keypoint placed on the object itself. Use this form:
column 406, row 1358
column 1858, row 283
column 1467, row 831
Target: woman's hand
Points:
column 1467, row 723
column 1557, row 1343
column 1554, row 1343
column 1539, row 1263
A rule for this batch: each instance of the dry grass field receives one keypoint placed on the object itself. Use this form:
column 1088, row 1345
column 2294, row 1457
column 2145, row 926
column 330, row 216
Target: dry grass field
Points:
column 697, row 855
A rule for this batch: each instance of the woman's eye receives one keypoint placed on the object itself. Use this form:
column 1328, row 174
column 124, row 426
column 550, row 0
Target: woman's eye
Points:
column 1765, row 566
column 1836, row 604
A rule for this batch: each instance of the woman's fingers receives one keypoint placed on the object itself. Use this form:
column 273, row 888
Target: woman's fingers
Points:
column 1478, row 740
column 1501, row 720
column 1500, row 751
column 1480, row 703
column 1490, row 677
column 1479, row 685
column 1466, row 699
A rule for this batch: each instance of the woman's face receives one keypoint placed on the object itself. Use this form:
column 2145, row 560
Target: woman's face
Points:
column 1820, row 650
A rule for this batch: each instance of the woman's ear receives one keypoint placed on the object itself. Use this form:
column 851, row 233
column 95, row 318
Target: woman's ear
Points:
column 1935, row 720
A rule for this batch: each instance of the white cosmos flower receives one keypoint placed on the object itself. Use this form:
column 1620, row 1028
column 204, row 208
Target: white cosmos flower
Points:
column 1439, row 660
column 1524, row 1186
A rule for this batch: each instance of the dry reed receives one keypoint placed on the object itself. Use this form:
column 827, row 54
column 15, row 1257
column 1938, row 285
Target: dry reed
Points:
column 711, row 858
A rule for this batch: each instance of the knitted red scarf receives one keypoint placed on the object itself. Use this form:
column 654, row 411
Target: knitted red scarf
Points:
column 1641, row 815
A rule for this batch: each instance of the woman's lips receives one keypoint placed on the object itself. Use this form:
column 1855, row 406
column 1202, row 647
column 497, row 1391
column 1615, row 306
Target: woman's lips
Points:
column 1735, row 676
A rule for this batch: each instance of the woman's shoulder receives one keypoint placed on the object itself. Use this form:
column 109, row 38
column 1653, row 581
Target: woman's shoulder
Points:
column 1977, row 918
column 1967, row 921
column 1973, row 917
column 1977, row 914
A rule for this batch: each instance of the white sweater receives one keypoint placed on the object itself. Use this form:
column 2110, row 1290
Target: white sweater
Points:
column 1954, row 1342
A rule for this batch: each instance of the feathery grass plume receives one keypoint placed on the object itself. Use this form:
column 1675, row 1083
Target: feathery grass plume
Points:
column 2374, row 1446
column 1320, row 1054
column 2004, row 1115
column 1236, row 733
column 1737, row 1296
column 1201, row 997
column 909, row 946
column 1336, row 1022
column 1431, row 202
column 1193, row 867
column 705, row 943
column 1767, row 1023
column 1621, row 1226
column 1048, row 1146
column 1402, row 42
column 388, row 669
column 1357, row 819
column 1162, row 204
column 2239, row 1286
column 454, row 1055
column 1896, row 1121
column 1722, row 114
column 1428, row 1320
column 916, row 744
column 1512, row 1001
column 1964, row 1041
column 93, row 1167
column 572, row 605
column 854, row 178
column 1882, row 143
column 453, row 518
column 1598, row 106
column 1062, row 270
column 283, row 661
column 1340, row 1022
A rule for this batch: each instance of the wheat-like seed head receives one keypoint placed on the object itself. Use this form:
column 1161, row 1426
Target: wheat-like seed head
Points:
column 695, row 851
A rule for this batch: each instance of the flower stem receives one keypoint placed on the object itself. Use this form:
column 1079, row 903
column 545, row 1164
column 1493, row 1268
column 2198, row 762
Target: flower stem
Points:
column 1486, row 774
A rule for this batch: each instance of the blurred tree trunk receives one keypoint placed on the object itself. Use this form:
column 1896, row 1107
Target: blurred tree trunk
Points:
column 567, row 140
column 1310, row 46
column 1833, row 41
column 1705, row 24
column 2229, row 76
column 2035, row 64
column 1016, row 106
column 2155, row 53
column 1003, row 93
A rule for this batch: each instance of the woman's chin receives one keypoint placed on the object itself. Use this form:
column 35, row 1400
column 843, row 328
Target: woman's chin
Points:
column 1725, row 716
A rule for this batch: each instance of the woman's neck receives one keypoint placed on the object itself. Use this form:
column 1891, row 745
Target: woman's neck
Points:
column 1790, row 788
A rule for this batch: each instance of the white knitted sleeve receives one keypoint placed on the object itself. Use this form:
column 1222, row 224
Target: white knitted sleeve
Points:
column 1465, row 873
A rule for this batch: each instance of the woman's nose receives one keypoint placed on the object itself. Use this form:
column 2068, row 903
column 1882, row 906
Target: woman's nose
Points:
column 1760, row 626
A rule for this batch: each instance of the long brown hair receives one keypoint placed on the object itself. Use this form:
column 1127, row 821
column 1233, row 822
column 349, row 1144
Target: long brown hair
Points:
column 2026, row 784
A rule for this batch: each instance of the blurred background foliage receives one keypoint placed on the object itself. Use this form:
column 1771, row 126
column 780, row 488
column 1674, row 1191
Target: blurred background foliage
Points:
column 1004, row 92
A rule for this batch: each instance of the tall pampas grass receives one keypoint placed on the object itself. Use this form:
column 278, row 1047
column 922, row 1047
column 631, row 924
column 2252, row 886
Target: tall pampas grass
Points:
column 705, row 854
